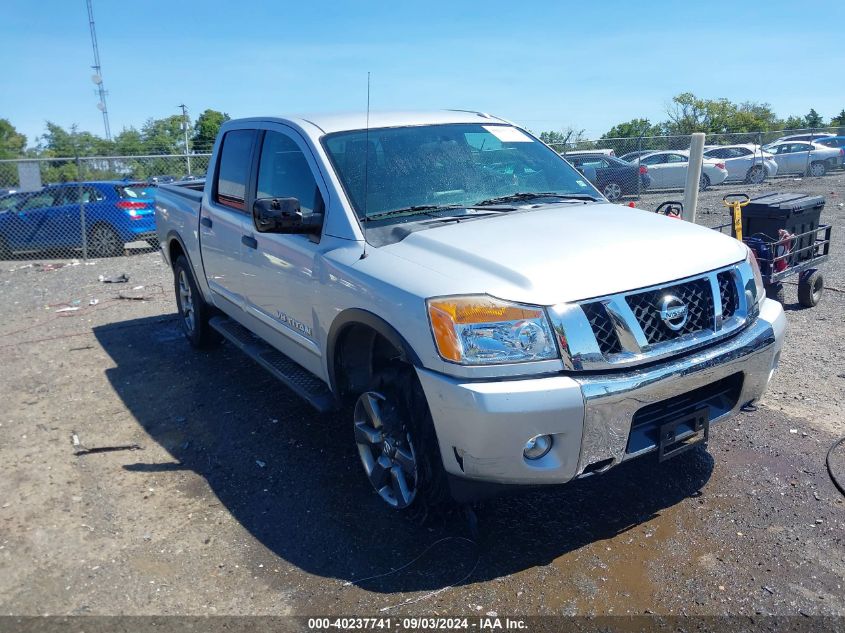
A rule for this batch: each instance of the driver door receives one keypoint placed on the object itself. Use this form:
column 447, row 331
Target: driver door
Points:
column 280, row 280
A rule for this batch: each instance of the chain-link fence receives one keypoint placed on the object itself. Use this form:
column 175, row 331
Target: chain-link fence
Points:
column 625, row 168
column 89, row 207
column 104, row 206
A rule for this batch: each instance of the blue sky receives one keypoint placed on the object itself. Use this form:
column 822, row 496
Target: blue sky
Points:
column 546, row 65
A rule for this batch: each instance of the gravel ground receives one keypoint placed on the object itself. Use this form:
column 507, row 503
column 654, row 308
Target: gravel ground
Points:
column 236, row 503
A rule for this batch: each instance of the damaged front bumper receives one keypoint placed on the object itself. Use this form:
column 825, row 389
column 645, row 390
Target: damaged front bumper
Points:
column 482, row 427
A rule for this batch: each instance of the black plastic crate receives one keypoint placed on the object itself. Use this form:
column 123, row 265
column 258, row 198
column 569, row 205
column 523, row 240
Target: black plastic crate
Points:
column 794, row 212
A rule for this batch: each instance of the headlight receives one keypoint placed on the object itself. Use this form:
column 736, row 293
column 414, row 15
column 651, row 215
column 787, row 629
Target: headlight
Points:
column 482, row 330
column 759, row 288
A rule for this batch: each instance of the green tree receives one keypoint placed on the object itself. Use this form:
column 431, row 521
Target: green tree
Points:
column 688, row 113
column 12, row 142
column 839, row 122
column 129, row 142
column 57, row 141
column 813, row 119
column 633, row 129
column 205, row 129
column 164, row 136
column 12, row 145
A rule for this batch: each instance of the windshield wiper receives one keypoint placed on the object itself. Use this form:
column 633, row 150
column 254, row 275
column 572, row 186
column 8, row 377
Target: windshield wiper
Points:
column 524, row 196
column 422, row 209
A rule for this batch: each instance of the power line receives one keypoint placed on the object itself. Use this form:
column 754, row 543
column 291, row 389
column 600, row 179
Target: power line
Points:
column 97, row 78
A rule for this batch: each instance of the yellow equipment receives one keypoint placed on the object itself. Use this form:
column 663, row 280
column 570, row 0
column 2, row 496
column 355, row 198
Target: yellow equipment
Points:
column 735, row 202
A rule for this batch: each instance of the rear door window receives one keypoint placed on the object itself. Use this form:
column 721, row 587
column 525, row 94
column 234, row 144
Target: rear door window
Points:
column 233, row 170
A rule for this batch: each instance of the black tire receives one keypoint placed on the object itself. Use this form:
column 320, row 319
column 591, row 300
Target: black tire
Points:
column 405, row 427
column 817, row 168
column 704, row 182
column 810, row 289
column 756, row 175
column 103, row 241
column 776, row 292
column 194, row 312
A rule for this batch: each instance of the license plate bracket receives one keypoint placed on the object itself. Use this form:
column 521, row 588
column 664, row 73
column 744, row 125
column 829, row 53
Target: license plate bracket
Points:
column 684, row 433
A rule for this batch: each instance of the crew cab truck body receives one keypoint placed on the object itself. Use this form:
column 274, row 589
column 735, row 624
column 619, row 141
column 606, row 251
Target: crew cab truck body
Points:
column 490, row 318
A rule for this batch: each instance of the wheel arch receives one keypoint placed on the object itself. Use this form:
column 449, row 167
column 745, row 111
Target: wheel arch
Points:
column 353, row 350
column 176, row 247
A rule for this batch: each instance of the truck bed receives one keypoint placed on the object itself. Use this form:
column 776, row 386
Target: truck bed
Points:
column 177, row 212
column 191, row 189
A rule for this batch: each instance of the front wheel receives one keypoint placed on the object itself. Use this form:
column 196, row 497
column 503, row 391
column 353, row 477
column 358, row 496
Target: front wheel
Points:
column 818, row 169
column 194, row 312
column 397, row 445
column 704, row 182
column 612, row 191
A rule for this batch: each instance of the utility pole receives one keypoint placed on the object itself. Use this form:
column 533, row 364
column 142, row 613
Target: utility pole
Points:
column 185, row 129
column 97, row 77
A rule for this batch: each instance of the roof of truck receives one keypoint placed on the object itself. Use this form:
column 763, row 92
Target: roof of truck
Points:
column 345, row 121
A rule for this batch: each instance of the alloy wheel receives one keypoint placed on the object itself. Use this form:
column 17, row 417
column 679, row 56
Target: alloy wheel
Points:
column 817, row 169
column 103, row 242
column 386, row 450
column 612, row 191
column 186, row 302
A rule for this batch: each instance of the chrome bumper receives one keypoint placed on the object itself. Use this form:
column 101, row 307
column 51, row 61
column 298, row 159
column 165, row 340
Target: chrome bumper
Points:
column 483, row 426
column 611, row 401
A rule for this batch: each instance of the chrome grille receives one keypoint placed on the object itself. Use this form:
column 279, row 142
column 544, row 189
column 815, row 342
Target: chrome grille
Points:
column 602, row 327
column 696, row 295
column 727, row 291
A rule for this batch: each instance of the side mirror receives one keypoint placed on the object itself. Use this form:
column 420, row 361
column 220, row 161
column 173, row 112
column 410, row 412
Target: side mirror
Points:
column 283, row 215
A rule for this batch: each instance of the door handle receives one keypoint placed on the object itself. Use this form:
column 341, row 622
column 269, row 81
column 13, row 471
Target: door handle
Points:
column 246, row 240
column 206, row 221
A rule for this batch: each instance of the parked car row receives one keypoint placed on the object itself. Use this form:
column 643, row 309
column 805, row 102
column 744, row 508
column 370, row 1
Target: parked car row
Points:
column 51, row 218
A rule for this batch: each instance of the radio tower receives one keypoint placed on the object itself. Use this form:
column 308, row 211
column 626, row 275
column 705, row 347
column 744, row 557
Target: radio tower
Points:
column 97, row 77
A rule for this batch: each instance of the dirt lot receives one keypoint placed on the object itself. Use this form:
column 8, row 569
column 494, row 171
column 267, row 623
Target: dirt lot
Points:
column 242, row 501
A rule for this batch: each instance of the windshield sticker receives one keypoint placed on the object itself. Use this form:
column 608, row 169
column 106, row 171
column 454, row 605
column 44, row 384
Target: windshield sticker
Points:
column 581, row 183
column 507, row 134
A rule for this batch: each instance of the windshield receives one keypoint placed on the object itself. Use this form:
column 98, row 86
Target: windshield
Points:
column 445, row 165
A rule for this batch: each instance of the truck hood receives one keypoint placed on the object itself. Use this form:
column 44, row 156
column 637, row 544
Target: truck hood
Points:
column 566, row 252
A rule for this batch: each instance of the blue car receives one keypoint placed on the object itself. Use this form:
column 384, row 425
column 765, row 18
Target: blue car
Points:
column 51, row 218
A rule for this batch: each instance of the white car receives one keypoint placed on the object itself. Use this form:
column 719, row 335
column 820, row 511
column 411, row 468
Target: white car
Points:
column 814, row 136
column 803, row 157
column 746, row 162
column 668, row 170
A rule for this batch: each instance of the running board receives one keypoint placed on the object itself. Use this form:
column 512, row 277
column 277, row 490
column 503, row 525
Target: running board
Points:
column 296, row 378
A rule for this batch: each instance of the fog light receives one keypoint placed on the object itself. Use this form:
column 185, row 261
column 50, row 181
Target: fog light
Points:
column 537, row 447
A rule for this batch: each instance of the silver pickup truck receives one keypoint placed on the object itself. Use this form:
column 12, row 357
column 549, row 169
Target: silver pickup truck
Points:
column 480, row 314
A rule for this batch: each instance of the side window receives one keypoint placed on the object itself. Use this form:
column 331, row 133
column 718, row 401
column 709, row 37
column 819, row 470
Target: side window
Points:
column 39, row 201
column 654, row 160
column 10, row 201
column 283, row 172
column 233, row 171
column 676, row 158
column 716, row 153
